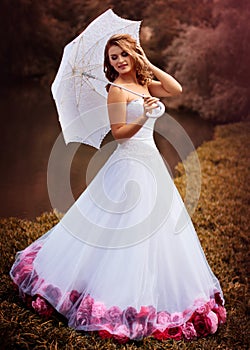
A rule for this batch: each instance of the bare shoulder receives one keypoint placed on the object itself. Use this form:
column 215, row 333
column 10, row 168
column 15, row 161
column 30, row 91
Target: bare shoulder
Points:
column 116, row 94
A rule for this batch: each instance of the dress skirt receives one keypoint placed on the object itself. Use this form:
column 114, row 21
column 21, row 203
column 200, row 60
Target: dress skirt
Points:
column 125, row 259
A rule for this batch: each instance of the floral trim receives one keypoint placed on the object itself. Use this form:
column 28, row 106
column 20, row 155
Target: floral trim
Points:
column 85, row 313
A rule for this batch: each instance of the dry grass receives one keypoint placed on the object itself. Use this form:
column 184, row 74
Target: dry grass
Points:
column 221, row 221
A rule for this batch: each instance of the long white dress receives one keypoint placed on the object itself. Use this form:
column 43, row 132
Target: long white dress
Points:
column 121, row 261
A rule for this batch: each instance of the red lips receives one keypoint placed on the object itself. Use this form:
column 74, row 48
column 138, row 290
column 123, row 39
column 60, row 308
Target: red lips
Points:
column 122, row 66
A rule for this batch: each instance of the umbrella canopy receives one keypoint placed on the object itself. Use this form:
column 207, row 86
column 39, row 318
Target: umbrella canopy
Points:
column 80, row 99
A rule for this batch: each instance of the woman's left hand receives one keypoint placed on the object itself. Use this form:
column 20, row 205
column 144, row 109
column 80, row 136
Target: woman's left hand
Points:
column 150, row 103
column 142, row 54
column 166, row 84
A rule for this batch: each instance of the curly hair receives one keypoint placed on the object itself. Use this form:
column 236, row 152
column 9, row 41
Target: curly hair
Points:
column 127, row 43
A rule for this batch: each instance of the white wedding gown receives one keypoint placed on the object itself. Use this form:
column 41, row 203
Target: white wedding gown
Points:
column 121, row 261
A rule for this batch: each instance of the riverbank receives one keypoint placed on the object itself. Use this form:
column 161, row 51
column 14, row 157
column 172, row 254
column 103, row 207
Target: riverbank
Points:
column 26, row 195
column 221, row 221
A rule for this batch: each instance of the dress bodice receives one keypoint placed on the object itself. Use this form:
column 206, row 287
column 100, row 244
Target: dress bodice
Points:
column 142, row 143
column 134, row 110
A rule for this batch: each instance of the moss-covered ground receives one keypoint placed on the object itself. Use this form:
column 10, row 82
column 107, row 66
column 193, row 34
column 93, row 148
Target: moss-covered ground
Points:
column 221, row 220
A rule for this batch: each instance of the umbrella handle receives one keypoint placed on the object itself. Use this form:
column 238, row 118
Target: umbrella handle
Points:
column 156, row 112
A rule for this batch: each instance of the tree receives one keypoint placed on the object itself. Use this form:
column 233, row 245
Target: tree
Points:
column 34, row 33
column 212, row 64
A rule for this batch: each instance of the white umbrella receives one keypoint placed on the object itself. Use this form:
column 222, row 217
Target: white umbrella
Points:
column 80, row 99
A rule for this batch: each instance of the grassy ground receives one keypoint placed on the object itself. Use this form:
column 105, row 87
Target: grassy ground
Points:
column 221, row 221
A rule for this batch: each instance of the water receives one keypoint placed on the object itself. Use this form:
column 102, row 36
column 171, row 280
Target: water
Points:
column 29, row 128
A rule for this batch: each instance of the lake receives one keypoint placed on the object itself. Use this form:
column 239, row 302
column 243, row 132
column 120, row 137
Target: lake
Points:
column 29, row 129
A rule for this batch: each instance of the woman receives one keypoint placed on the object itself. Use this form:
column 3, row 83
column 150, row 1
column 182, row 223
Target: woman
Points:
column 126, row 65
column 116, row 263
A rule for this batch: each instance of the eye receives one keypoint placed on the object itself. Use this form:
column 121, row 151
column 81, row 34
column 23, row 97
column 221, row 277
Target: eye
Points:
column 113, row 57
column 124, row 54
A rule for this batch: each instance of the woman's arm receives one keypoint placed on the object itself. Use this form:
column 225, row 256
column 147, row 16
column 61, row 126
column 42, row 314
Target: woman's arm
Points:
column 166, row 86
column 117, row 106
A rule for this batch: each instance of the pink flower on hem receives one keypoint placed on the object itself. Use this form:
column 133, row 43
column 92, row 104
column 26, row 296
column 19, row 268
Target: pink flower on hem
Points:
column 130, row 315
column 148, row 329
column 52, row 292
column 41, row 306
column 157, row 334
column 203, row 309
column 137, row 330
column 66, row 304
column 17, row 267
column 113, row 315
column 98, row 310
column 94, row 321
column 74, row 296
column 163, row 318
column 34, row 247
column 104, row 334
column 176, row 317
column 146, row 312
column 83, row 313
column 187, row 312
column 214, row 321
column 174, row 333
column 189, row 331
column 218, row 298
column 202, row 324
column 82, row 316
column 221, row 313
column 34, row 281
column 121, row 334
column 28, row 260
column 151, row 313
column 22, row 274
column 29, row 253
column 212, row 303
column 108, row 327
column 87, row 302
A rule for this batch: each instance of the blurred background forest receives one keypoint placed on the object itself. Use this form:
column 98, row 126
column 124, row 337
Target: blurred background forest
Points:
column 205, row 44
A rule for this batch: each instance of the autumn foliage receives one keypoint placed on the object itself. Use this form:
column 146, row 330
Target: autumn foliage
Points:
column 205, row 44
column 212, row 64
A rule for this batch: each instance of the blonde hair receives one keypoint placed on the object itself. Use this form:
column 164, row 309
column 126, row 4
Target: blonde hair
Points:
column 128, row 44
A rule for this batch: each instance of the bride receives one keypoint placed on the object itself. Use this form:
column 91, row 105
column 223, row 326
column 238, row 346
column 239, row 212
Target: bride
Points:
column 115, row 263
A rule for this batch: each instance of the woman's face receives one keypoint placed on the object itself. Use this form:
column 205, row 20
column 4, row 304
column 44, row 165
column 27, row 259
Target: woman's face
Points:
column 120, row 60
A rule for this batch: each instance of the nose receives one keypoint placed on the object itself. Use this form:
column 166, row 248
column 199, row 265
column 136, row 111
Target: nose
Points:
column 120, row 58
